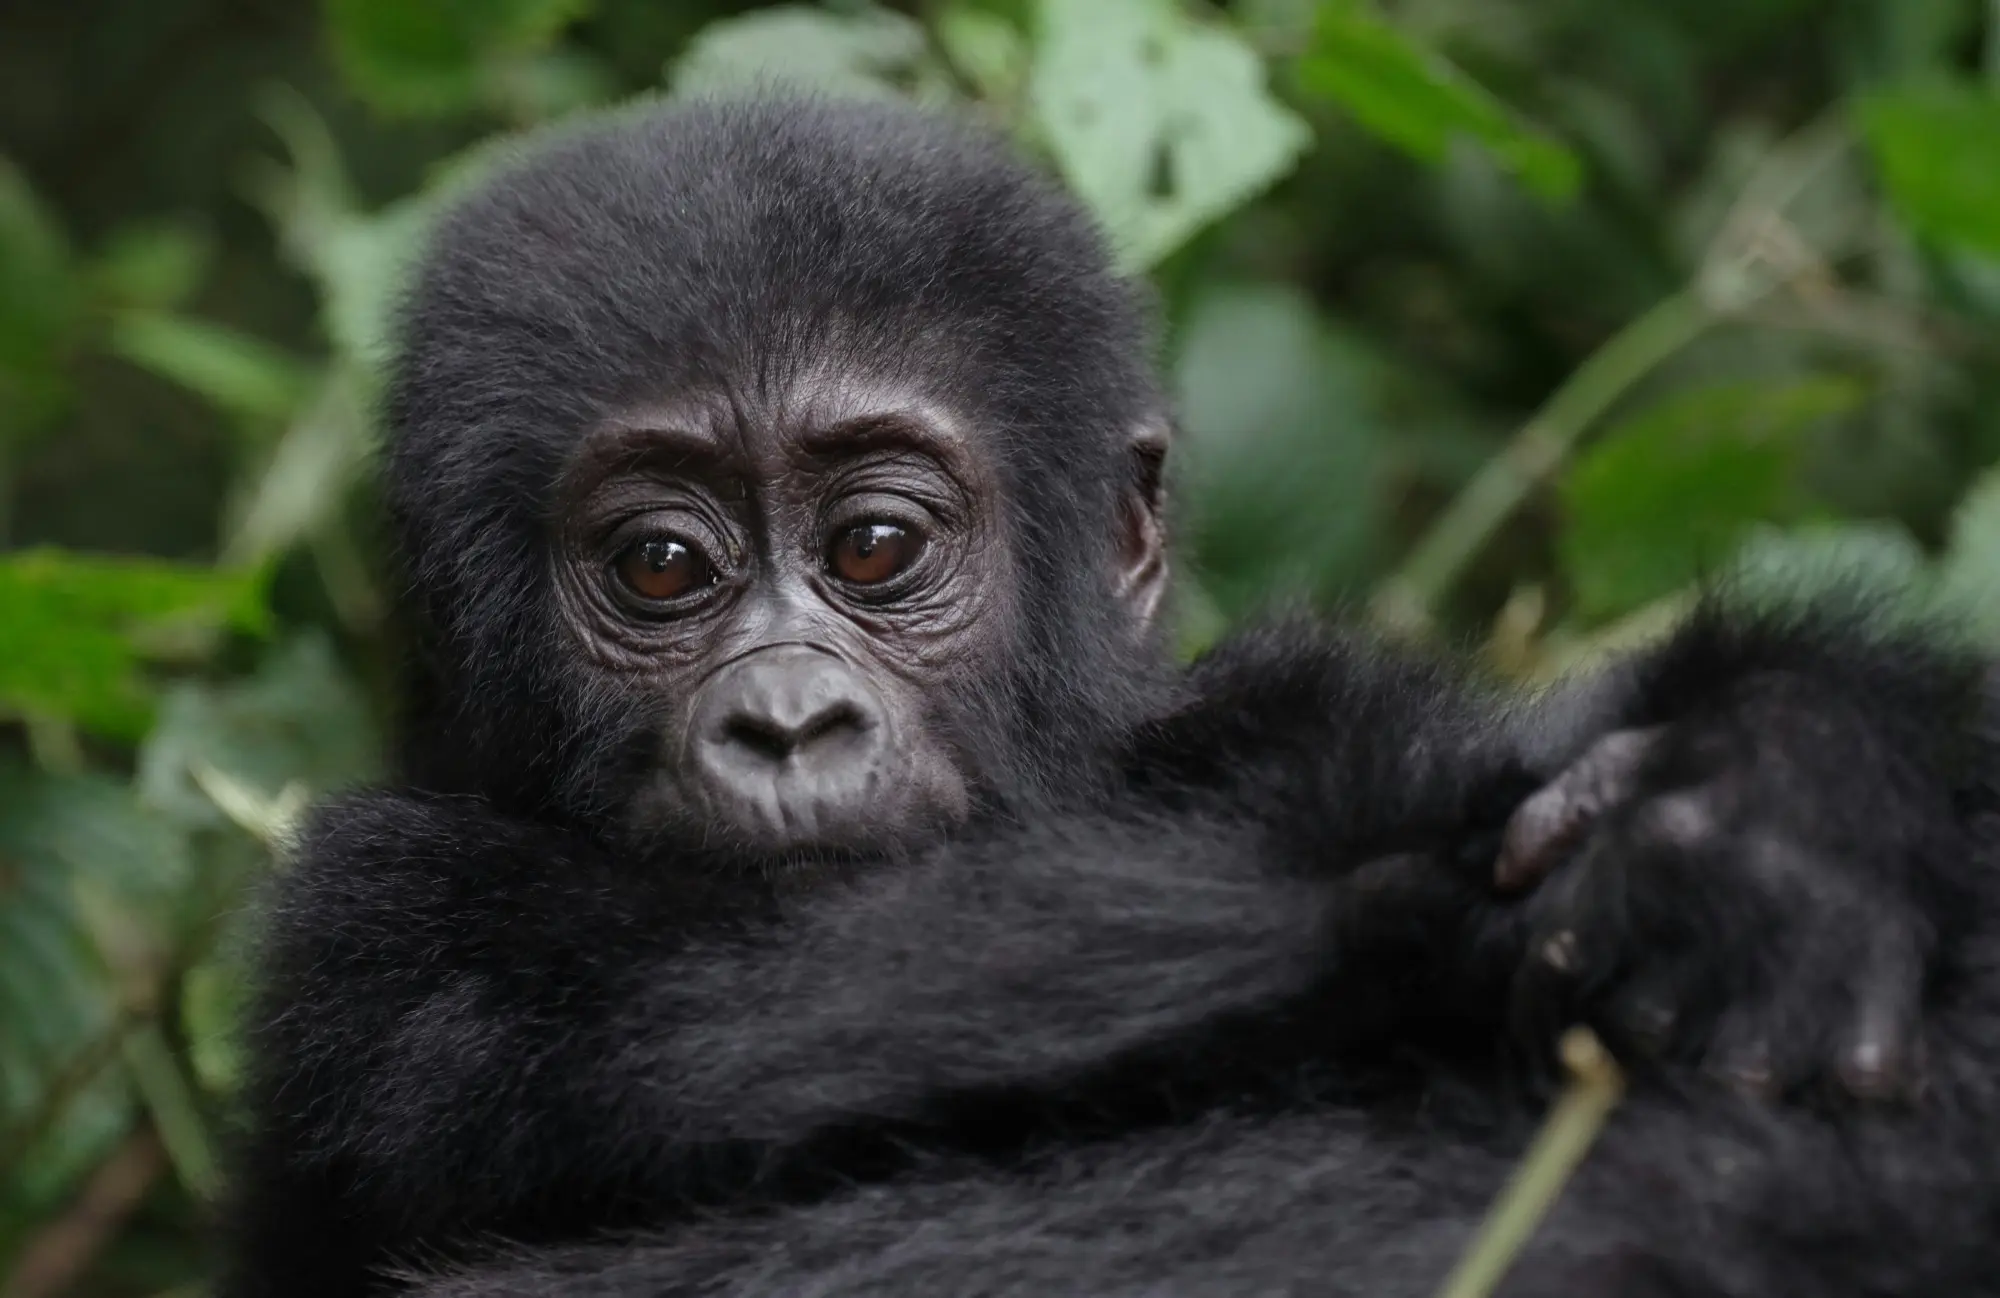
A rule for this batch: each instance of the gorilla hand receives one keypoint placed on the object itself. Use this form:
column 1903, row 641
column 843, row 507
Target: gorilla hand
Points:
column 1745, row 889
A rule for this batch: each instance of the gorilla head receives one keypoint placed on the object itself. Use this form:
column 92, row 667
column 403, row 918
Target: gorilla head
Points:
column 756, row 500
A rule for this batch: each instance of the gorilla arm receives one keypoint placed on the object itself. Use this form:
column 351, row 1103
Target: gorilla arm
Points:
column 484, row 1025
column 489, row 1027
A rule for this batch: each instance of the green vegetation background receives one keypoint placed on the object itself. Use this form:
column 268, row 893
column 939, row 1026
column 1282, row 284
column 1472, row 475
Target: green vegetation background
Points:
column 1501, row 321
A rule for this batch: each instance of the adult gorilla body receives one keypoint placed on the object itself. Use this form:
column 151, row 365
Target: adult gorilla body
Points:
column 809, row 866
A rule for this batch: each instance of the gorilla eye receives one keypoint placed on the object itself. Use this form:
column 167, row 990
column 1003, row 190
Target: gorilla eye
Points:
column 871, row 553
column 662, row 568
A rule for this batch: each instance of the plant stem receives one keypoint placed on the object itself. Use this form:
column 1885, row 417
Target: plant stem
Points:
column 170, row 1102
column 1408, row 598
column 1538, row 1180
column 63, row 1251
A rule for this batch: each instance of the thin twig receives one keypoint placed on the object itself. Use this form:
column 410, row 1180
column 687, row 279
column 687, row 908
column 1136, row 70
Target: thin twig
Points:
column 62, row 1251
column 1538, row 1180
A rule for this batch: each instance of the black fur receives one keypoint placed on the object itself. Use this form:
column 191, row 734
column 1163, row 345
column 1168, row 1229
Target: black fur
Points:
column 1212, row 995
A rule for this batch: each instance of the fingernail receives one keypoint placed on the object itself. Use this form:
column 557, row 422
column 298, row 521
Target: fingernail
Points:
column 1560, row 952
column 1869, row 1069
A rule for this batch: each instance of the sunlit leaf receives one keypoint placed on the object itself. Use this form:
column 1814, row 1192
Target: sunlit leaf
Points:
column 435, row 57
column 1160, row 123
column 867, row 52
column 78, row 629
column 1417, row 101
column 239, row 373
column 1667, row 495
column 1937, row 147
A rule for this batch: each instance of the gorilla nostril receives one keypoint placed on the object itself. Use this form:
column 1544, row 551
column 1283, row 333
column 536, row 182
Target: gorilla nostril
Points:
column 760, row 737
column 841, row 716
column 776, row 740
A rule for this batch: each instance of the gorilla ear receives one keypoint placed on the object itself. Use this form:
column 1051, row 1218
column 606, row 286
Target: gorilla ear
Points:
column 1142, row 534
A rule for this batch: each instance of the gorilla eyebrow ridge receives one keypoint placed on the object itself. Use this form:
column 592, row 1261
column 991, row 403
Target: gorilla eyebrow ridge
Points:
column 622, row 444
column 913, row 430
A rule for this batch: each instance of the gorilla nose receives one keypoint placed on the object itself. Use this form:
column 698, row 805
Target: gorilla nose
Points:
column 793, row 739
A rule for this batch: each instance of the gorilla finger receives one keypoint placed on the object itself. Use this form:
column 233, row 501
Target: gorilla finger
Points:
column 1562, row 972
column 1648, row 1016
column 1880, row 1055
column 1744, row 1057
column 1555, row 818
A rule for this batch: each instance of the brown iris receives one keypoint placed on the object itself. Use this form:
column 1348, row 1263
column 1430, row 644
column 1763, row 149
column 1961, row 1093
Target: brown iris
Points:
column 663, row 568
column 871, row 553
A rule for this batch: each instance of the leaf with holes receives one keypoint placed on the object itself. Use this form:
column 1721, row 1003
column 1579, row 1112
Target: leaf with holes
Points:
column 1417, row 101
column 1160, row 123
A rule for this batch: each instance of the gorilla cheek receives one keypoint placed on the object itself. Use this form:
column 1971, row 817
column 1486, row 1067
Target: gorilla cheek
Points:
column 792, row 747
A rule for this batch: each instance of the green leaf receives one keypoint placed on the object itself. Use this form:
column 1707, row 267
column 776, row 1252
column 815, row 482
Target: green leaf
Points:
column 987, row 49
column 1969, row 576
column 1417, row 101
column 437, row 57
column 214, row 999
column 300, row 720
column 237, row 372
column 70, row 846
column 1937, row 148
column 39, row 306
column 1281, row 458
column 155, row 266
column 306, row 479
column 78, row 629
column 1671, row 491
column 359, row 260
column 1161, row 124
column 90, row 828
column 869, row 52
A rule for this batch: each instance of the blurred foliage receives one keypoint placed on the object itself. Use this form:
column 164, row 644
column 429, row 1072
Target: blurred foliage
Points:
column 1504, row 321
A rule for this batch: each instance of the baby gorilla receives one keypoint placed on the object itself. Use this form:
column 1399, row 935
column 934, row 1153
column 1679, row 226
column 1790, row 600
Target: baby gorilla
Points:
column 810, row 875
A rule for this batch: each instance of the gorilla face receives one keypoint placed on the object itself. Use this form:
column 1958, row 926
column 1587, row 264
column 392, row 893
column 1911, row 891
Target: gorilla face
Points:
column 754, row 501
column 799, row 592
